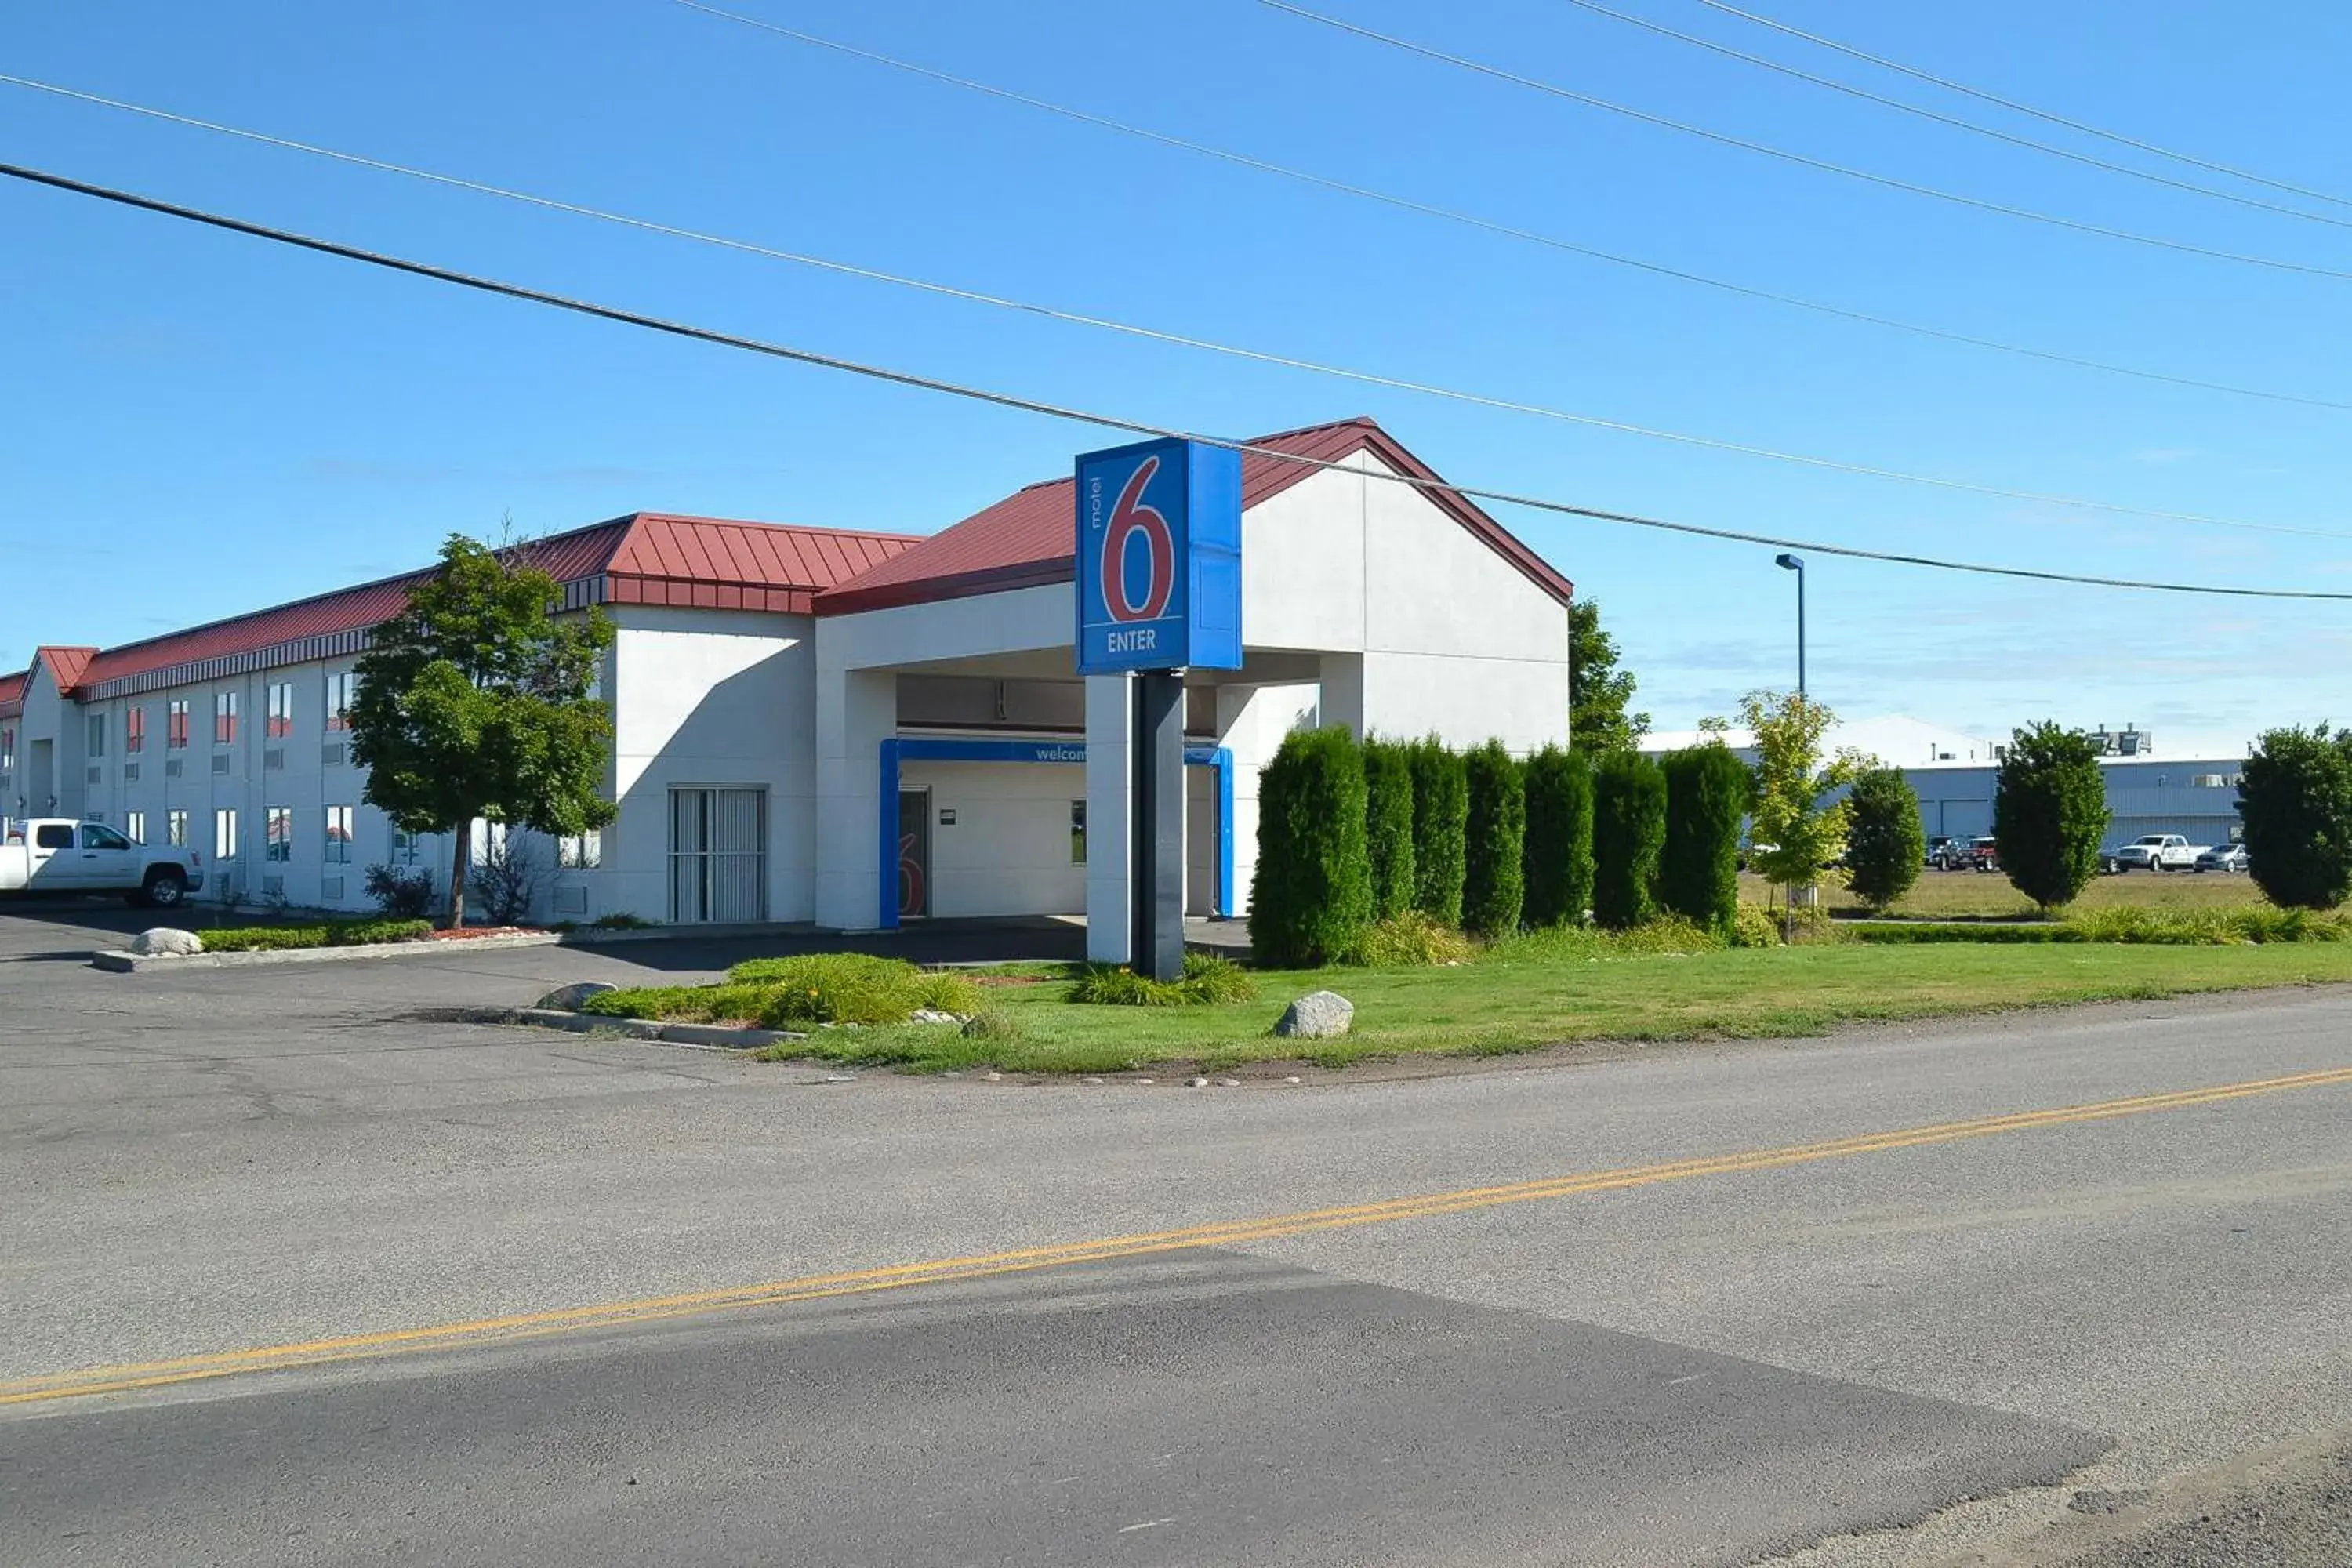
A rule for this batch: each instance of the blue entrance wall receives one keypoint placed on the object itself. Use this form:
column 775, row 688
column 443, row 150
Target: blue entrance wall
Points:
column 902, row 749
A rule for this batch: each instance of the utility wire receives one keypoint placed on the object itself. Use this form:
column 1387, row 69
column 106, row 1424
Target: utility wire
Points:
column 1948, row 85
column 1105, row 421
column 1722, row 139
column 1970, row 126
column 1508, row 231
column 1179, row 340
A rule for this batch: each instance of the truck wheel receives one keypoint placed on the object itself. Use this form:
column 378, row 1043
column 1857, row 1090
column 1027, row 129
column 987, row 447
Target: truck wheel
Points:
column 163, row 889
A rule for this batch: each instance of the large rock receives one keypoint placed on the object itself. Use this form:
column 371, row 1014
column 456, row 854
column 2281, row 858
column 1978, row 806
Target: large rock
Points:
column 567, row 999
column 163, row 941
column 1317, row 1016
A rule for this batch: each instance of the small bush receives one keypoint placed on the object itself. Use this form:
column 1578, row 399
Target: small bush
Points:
column 368, row 933
column 2295, row 797
column 507, row 877
column 330, row 933
column 1441, row 822
column 1628, row 829
column 404, row 892
column 1494, row 859
column 1885, row 844
column 1707, row 791
column 1559, row 877
column 1663, row 934
column 1207, row 980
column 1313, row 889
column 1411, row 940
column 1907, row 933
column 1755, row 926
column 1388, row 827
column 2048, row 813
column 835, row 988
column 996, row 1027
column 939, row 991
column 620, row 920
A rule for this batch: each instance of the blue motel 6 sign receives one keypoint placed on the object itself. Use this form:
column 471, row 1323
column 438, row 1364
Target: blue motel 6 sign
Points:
column 1159, row 558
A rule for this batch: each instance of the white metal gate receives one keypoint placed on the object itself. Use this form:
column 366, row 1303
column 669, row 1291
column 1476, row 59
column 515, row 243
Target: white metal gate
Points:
column 718, row 856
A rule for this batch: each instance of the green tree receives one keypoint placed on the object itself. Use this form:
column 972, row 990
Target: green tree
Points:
column 2295, row 798
column 1387, row 826
column 1628, row 829
column 477, row 701
column 1496, row 858
column 1311, row 896
column 1885, row 844
column 1794, row 830
column 2050, row 813
column 1598, row 690
column 1698, row 868
column 1560, row 838
column 1441, row 820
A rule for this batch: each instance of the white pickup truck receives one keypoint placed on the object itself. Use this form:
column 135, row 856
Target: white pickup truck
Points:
column 2156, row 852
column 55, row 855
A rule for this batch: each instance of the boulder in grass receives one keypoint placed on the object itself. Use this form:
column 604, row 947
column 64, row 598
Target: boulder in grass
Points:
column 165, row 941
column 567, row 998
column 1317, row 1015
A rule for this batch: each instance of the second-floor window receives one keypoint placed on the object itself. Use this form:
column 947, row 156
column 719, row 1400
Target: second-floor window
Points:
column 281, row 709
column 339, row 835
column 277, row 833
column 8, row 745
column 341, row 688
column 176, row 724
column 96, row 736
column 134, row 731
column 223, row 718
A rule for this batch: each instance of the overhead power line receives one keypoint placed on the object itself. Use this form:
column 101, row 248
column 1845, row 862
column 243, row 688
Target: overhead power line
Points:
column 1462, row 62
column 1510, row 231
column 2013, row 106
column 1085, row 416
column 1955, row 121
column 1179, row 340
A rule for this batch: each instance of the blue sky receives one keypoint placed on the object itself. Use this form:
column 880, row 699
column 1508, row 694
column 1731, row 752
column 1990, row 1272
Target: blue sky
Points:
column 193, row 423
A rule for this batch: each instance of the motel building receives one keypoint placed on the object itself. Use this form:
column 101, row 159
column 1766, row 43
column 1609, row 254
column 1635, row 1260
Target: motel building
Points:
column 850, row 729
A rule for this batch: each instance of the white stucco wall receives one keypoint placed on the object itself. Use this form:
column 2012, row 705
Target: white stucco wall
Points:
column 1009, row 850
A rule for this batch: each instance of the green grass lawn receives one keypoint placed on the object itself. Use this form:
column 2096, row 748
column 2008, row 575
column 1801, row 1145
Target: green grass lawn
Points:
column 1977, row 895
column 1507, row 1003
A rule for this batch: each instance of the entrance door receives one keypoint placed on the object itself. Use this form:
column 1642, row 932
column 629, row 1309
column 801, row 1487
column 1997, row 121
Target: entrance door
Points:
column 914, row 853
column 718, row 856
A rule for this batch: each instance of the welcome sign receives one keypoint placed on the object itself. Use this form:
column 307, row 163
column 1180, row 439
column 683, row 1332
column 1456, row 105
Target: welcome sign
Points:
column 1160, row 557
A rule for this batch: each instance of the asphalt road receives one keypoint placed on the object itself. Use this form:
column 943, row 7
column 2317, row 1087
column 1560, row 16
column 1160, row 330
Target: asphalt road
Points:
column 1825, row 1305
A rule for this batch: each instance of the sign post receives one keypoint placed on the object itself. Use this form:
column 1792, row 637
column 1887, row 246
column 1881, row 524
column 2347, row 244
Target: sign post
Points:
column 1159, row 592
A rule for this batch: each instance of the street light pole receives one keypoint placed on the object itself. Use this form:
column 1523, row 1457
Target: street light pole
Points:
column 1796, row 563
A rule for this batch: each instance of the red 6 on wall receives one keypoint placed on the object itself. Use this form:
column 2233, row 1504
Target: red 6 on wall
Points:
column 1130, row 517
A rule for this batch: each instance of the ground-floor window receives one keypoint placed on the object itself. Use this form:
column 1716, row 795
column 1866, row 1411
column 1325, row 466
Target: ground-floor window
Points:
column 580, row 851
column 224, row 834
column 135, row 823
column 717, row 855
column 176, row 829
column 404, row 846
column 339, row 835
column 277, row 833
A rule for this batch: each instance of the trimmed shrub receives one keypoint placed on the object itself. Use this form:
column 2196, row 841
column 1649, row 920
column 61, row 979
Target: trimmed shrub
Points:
column 2048, row 814
column 1495, row 861
column 404, row 893
column 1312, row 894
column 1410, row 940
column 1441, row 822
column 1885, row 844
column 1707, row 791
column 326, row 933
column 1559, row 875
column 2295, row 797
column 1388, row 827
column 1755, row 926
column 1629, row 829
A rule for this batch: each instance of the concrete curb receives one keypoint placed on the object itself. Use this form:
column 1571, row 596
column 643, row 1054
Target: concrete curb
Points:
column 698, row 1036
column 117, row 961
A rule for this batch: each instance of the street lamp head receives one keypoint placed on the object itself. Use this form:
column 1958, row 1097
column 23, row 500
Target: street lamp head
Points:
column 1787, row 562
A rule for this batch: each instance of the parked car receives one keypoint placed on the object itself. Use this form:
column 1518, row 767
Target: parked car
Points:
column 1982, row 855
column 56, row 855
column 2222, row 858
column 1954, row 854
column 2157, row 852
column 1938, row 848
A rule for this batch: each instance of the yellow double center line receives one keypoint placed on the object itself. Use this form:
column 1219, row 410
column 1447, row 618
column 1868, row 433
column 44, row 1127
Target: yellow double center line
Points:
column 939, row 1272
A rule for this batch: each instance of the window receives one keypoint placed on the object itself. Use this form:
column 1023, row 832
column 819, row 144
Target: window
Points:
column 277, row 833
column 404, row 846
column 281, row 709
column 223, row 718
column 1077, row 833
column 340, row 688
column 134, row 731
column 582, row 851
column 53, row 836
column 8, row 745
column 176, row 829
column 224, row 834
column 97, row 835
column 135, row 823
column 176, row 724
column 96, row 736
column 339, row 835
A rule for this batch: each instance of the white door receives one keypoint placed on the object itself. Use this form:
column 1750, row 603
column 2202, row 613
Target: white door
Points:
column 718, row 856
column 52, row 860
column 106, row 858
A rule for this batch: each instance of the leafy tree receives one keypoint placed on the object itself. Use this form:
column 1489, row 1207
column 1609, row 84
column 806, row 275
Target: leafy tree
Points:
column 1441, row 820
column 1794, row 831
column 1628, row 829
column 1698, row 868
column 1312, row 894
column 1598, row 690
column 1496, row 862
column 1560, row 838
column 2050, row 813
column 478, row 701
column 1387, row 826
column 2295, row 797
column 1885, row 843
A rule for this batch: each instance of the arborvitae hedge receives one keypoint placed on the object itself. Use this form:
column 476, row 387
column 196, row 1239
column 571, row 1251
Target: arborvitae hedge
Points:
column 1698, row 866
column 1885, row 843
column 1496, row 845
column 1559, row 838
column 2048, row 813
column 1312, row 894
column 1441, row 816
column 2295, row 797
column 1628, row 829
column 1388, row 827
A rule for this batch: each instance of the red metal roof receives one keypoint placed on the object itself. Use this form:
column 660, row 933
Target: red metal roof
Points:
column 65, row 664
column 1027, row 539
column 12, row 694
